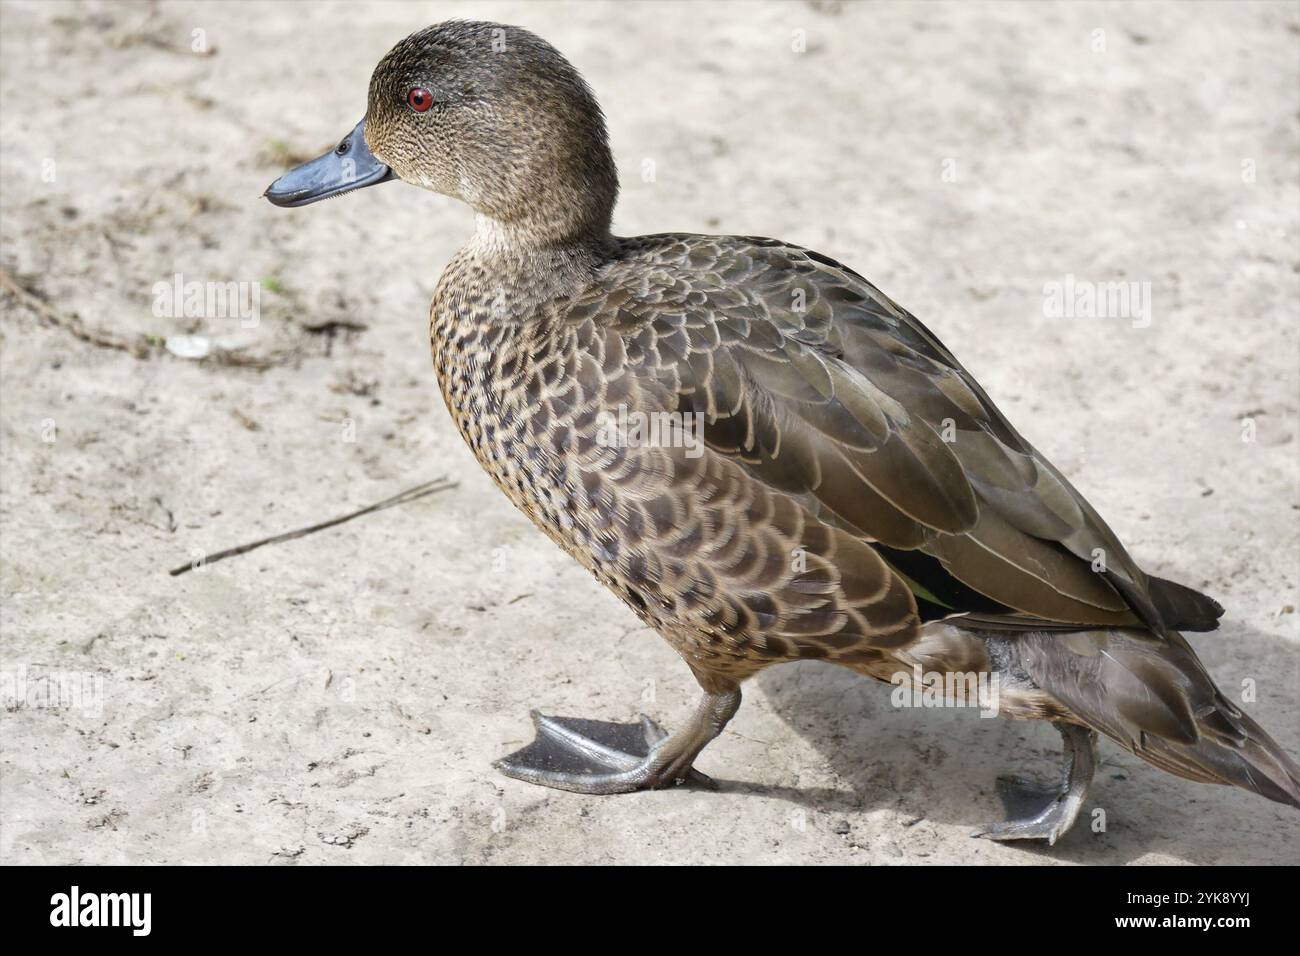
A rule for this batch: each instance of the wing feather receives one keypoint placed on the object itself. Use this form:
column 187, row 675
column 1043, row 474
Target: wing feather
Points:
column 864, row 439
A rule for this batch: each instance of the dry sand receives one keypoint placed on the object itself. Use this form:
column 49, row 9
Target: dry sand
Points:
column 339, row 699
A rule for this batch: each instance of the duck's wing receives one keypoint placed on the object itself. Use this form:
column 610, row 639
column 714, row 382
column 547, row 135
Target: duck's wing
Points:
column 826, row 390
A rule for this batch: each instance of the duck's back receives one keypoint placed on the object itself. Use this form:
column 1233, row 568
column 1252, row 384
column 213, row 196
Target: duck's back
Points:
column 765, row 456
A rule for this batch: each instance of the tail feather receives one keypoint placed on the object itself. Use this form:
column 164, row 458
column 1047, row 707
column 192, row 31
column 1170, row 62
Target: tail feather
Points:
column 1152, row 696
column 1181, row 608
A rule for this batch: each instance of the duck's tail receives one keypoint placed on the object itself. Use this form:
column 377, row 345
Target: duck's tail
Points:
column 1153, row 697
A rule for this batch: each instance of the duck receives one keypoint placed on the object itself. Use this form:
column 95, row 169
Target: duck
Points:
column 763, row 456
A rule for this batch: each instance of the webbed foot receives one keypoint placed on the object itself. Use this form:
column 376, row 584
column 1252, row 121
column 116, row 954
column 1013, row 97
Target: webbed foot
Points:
column 599, row 757
column 1038, row 812
column 596, row 756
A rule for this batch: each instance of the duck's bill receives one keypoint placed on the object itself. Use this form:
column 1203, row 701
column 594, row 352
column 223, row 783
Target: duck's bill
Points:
column 348, row 166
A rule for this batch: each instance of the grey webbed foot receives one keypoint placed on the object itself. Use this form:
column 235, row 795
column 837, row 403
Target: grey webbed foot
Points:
column 1038, row 812
column 1034, row 812
column 597, row 756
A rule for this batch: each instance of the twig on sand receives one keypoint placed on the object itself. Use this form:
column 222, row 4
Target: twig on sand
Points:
column 411, row 494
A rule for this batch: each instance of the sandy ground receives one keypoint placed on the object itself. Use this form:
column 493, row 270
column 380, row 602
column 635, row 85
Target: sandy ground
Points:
column 339, row 699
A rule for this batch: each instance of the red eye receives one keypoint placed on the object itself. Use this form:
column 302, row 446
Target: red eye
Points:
column 419, row 99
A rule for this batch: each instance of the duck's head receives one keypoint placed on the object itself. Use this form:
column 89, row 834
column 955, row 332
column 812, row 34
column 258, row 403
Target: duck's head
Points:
column 488, row 114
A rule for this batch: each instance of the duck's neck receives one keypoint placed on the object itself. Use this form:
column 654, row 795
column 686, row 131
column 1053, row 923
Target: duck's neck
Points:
column 515, row 254
column 497, row 239
column 554, row 200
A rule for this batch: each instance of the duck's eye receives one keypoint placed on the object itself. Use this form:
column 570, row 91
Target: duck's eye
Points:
column 419, row 99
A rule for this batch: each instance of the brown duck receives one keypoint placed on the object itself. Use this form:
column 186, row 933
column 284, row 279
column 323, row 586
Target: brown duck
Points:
column 759, row 452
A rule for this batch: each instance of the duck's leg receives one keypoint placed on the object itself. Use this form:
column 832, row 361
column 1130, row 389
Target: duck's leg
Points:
column 596, row 756
column 1045, row 813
